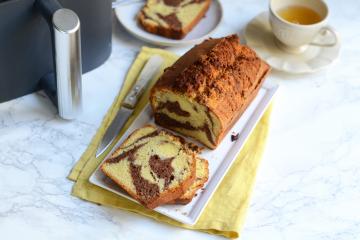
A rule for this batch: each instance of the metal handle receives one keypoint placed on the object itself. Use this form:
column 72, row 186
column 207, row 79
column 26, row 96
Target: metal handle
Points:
column 65, row 29
column 66, row 25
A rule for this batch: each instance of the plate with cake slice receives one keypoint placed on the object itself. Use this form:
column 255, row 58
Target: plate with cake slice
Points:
column 170, row 22
column 180, row 146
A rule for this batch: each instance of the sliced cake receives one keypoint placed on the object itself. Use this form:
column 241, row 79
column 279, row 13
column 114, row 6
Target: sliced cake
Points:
column 172, row 18
column 205, row 92
column 153, row 166
column 202, row 175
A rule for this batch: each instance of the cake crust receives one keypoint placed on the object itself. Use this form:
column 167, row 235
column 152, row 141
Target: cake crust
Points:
column 220, row 74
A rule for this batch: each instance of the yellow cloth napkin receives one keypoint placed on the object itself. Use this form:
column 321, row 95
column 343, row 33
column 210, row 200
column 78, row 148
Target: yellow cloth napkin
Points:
column 225, row 212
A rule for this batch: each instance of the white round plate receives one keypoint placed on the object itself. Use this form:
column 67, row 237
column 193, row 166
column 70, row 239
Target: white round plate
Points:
column 126, row 14
column 258, row 36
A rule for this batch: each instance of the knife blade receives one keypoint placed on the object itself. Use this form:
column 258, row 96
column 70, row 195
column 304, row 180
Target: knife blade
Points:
column 150, row 69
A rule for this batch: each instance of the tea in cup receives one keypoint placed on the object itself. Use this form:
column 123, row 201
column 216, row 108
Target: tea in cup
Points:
column 296, row 24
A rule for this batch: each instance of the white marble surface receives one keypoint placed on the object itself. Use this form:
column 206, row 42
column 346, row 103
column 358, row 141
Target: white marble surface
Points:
column 308, row 186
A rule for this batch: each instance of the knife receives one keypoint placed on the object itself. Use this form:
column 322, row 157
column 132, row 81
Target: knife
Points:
column 150, row 69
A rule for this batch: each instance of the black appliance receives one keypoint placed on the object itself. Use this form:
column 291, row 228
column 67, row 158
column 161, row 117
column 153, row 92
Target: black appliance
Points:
column 40, row 47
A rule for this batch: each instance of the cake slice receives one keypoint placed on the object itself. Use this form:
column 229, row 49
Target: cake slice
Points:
column 172, row 18
column 206, row 91
column 202, row 175
column 153, row 166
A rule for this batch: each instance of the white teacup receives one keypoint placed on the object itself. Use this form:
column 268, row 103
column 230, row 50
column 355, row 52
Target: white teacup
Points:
column 293, row 37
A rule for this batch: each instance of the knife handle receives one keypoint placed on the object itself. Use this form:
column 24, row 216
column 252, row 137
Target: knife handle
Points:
column 148, row 72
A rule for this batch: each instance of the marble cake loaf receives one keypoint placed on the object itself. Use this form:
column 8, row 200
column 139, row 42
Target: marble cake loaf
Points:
column 205, row 92
column 172, row 18
column 153, row 166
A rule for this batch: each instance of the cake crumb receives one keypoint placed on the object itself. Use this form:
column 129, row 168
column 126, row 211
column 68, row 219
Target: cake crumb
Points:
column 234, row 136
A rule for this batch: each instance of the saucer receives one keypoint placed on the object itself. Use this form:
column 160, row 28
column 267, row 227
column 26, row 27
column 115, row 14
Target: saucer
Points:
column 258, row 36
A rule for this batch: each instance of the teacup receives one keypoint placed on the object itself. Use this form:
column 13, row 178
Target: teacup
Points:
column 296, row 37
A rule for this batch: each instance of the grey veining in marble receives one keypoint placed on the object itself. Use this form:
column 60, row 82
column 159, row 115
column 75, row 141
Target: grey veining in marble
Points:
column 308, row 185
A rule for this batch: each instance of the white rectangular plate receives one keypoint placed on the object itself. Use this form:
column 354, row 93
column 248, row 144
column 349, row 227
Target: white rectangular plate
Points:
column 219, row 159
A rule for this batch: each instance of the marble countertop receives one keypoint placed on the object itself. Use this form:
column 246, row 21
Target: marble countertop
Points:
column 308, row 185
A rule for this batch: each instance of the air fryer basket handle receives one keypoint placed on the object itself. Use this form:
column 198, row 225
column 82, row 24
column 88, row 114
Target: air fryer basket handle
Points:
column 64, row 86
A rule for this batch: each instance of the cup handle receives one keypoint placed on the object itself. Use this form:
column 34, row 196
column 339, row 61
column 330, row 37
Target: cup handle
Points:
column 323, row 31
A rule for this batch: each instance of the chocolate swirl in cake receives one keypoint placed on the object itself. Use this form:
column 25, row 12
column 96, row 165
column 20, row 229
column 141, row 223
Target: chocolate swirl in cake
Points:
column 162, row 168
column 164, row 120
column 173, row 107
column 143, row 187
column 172, row 20
column 143, row 165
column 173, row 3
